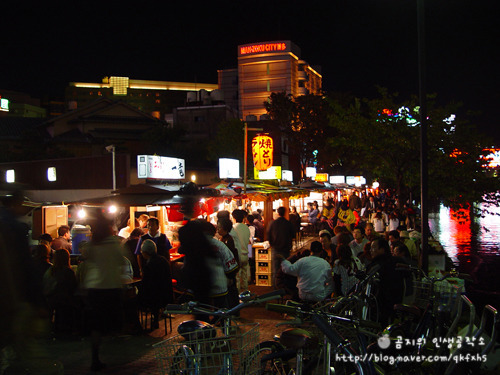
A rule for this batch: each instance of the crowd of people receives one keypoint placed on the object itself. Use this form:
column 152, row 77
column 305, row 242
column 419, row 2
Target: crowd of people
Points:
column 354, row 236
column 104, row 284
column 95, row 291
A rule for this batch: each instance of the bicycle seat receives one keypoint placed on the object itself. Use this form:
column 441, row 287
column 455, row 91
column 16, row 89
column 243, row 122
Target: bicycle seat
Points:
column 297, row 338
column 196, row 329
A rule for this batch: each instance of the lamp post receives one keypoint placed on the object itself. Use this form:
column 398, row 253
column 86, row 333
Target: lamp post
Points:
column 424, row 258
column 111, row 148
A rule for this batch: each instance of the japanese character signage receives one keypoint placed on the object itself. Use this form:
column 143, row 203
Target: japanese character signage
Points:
column 160, row 167
column 262, row 151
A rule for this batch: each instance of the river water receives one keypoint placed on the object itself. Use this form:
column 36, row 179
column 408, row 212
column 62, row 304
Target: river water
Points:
column 473, row 247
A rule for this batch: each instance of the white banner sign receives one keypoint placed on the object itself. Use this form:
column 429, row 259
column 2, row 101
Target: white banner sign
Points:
column 229, row 168
column 273, row 173
column 160, row 167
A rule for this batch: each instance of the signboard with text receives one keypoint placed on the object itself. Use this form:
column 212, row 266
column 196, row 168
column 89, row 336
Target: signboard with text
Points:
column 321, row 177
column 355, row 180
column 287, row 175
column 160, row 167
column 229, row 168
column 337, row 179
column 273, row 173
column 265, row 47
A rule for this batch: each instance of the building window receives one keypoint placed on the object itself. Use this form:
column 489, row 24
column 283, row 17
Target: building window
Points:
column 51, row 174
column 302, row 83
column 268, row 70
column 119, row 85
column 10, row 176
column 199, row 118
column 157, row 101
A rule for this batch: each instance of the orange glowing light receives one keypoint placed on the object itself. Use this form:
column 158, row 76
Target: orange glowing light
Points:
column 262, row 151
column 260, row 48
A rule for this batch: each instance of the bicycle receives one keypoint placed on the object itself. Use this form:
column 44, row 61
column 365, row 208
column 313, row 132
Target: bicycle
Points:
column 361, row 302
column 203, row 348
column 275, row 357
column 434, row 313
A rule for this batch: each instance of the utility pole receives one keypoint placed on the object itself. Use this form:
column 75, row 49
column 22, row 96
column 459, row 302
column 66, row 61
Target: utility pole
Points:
column 424, row 173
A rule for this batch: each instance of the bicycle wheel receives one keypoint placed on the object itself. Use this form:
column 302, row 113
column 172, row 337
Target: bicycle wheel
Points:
column 185, row 362
column 265, row 359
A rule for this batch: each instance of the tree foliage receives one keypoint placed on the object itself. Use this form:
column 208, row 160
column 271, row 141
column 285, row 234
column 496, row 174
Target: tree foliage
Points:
column 228, row 141
column 382, row 137
column 304, row 121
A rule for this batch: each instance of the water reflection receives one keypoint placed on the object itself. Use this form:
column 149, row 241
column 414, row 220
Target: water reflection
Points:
column 473, row 247
column 461, row 238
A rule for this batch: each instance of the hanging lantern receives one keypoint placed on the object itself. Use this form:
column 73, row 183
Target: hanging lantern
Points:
column 262, row 151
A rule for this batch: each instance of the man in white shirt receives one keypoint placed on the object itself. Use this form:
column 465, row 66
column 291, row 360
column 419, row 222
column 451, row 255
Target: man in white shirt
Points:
column 314, row 275
column 358, row 243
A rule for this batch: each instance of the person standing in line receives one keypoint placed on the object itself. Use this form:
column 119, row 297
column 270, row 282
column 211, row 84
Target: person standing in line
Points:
column 224, row 226
column 103, row 282
column 243, row 234
column 280, row 234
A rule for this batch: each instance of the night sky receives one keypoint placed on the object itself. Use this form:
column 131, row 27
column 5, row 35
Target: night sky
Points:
column 358, row 44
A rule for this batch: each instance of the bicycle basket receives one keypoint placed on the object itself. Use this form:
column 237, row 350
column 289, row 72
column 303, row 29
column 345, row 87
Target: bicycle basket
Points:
column 422, row 292
column 176, row 356
column 447, row 295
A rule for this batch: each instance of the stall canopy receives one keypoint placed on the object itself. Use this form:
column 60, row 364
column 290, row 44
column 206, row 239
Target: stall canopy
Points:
column 258, row 192
column 138, row 195
column 175, row 198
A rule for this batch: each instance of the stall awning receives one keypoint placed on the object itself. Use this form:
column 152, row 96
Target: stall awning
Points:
column 259, row 192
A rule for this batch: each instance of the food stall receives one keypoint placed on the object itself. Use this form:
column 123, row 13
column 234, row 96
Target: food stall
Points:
column 171, row 204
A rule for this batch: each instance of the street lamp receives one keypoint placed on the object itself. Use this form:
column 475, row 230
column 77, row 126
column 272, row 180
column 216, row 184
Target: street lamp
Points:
column 111, row 148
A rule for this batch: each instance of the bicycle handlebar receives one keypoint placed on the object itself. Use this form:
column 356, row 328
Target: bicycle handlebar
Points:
column 405, row 266
column 298, row 311
column 196, row 307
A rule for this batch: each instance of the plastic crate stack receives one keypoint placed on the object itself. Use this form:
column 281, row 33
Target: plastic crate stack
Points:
column 263, row 267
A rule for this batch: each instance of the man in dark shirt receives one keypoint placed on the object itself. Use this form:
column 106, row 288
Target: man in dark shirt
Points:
column 281, row 234
column 161, row 241
column 392, row 281
column 62, row 242
column 156, row 289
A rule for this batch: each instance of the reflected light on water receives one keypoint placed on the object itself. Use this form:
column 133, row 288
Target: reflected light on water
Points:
column 454, row 231
column 489, row 234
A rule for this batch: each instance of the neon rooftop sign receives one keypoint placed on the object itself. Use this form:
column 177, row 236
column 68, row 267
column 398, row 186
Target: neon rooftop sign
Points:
column 264, row 47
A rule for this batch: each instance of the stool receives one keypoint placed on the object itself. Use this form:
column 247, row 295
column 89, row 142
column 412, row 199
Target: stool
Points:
column 146, row 314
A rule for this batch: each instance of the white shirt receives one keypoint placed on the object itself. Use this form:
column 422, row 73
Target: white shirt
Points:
column 314, row 275
column 357, row 248
column 243, row 234
column 220, row 266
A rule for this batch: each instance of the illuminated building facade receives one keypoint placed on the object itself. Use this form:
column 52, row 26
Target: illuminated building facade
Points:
column 157, row 98
column 267, row 67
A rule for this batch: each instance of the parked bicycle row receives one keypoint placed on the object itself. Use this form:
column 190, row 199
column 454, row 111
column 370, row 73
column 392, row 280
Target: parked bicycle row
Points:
column 436, row 330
